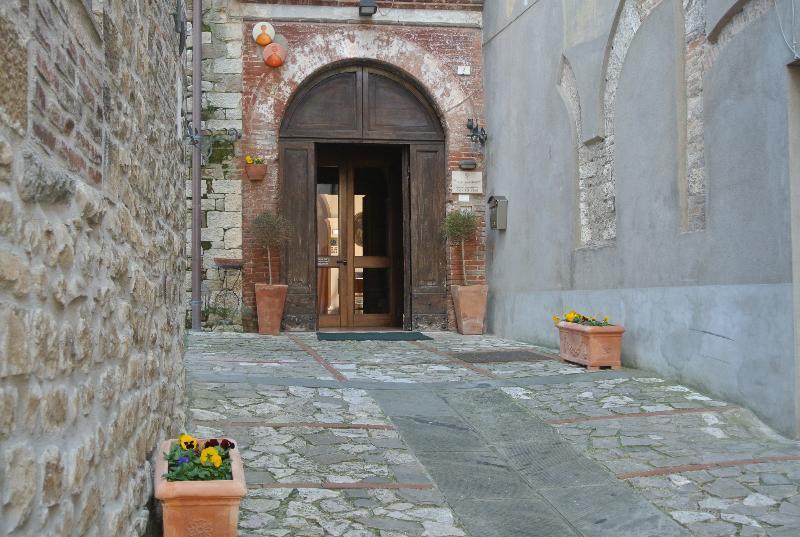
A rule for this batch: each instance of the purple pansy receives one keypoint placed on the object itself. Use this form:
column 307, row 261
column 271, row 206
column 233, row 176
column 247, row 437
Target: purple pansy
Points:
column 183, row 460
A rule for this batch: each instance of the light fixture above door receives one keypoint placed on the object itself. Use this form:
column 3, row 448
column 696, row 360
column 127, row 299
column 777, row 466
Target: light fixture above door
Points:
column 367, row 8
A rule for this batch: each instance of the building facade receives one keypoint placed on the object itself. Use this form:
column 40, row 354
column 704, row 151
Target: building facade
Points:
column 91, row 262
column 649, row 151
column 361, row 130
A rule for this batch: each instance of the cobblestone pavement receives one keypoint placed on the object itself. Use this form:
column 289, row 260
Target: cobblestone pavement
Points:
column 481, row 437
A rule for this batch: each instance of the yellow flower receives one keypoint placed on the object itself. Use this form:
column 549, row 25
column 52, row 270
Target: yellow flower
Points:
column 187, row 441
column 556, row 319
column 605, row 319
column 248, row 159
column 216, row 460
column 210, row 453
column 571, row 316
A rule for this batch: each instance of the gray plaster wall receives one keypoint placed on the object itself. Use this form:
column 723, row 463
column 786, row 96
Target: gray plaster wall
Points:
column 714, row 308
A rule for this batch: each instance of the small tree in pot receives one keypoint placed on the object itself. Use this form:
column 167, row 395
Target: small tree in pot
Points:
column 270, row 230
column 469, row 301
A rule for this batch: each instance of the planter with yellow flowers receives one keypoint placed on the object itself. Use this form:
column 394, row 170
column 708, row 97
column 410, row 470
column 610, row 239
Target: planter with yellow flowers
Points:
column 200, row 484
column 586, row 341
column 255, row 168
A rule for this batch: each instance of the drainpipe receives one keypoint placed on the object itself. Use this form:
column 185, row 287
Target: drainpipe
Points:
column 197, row 75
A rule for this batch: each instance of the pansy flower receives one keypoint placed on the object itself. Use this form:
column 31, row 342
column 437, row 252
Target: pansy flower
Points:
column 183, row 460
column 210, row 453
column 212, row 443
column 227, row 444
column 187, row 441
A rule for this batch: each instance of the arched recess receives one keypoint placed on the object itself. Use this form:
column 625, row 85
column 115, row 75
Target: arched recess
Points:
column 364, row 103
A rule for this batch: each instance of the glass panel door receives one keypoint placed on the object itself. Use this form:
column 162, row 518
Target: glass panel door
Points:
column 328, row 246
column 371, row 247
column 359, row 240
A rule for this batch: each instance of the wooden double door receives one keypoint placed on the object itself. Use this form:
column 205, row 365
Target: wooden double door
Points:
column 359, row 217
column 363, row 182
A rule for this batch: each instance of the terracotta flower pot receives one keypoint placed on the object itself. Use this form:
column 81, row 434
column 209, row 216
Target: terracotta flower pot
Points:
column 200, row 507
column 270, row 300
column 255, row 172
column 592, row 346
column 470, row 306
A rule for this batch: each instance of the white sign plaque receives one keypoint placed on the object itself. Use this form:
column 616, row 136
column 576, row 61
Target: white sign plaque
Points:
column 467, row 183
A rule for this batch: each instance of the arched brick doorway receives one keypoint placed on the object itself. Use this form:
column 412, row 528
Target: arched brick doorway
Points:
column 362, row 151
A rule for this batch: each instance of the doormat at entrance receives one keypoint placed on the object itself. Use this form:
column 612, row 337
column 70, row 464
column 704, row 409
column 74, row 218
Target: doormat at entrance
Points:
column 372, row 336
column 496, row 357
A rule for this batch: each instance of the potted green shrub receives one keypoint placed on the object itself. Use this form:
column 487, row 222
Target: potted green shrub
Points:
column 590, row 342
column 200, row 484
column 469, row 301
column 270, row 230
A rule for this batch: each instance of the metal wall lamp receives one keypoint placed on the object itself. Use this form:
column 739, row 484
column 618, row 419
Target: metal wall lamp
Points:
column 367, row 8
column 477, row 133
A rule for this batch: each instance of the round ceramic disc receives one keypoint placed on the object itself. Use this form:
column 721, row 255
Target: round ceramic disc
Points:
column 275, row 48
column 263, row 27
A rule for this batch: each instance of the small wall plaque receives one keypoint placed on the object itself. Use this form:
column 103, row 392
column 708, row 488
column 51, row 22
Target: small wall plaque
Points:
column 467, row 183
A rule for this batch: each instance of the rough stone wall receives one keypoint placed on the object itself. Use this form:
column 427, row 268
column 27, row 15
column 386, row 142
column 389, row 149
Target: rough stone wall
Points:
column 221, row 204
column 240, row 92
column 91, row 262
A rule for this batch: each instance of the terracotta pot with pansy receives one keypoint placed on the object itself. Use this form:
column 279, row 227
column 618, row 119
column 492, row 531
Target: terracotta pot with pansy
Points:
column 584, row 340
column 255, row 168
column 200, row 484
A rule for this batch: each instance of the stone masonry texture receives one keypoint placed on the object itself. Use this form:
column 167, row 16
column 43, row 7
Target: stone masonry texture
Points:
column 91, row 262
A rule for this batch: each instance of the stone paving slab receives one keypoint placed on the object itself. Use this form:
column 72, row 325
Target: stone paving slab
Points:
column 544, row 368
column 318, row 455
column 607, row 397
column 644, row 443
column 611, row 510
column 360, row 513
column 748, row 500
column 707, row 502
column 453, row 342
column 512, row 518
column 383, row 361
column 246, row 402
column 511, row 448
column 440, row 433
column 475, row 475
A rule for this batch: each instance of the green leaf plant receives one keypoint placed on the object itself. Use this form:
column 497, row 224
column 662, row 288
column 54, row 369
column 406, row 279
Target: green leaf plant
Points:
column 271, row 230
column 459, row 227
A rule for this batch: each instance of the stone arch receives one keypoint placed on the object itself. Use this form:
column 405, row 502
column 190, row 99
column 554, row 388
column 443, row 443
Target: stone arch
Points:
column 435, row 80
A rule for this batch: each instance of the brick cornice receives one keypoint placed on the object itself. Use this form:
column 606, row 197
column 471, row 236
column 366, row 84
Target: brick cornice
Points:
column 455, row 5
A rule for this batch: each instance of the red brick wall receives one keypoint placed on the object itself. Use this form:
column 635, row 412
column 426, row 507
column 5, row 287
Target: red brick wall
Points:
column 429, row 55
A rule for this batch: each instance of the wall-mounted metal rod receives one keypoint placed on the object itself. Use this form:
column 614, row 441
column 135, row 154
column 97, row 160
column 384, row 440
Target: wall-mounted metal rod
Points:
column 197, row 74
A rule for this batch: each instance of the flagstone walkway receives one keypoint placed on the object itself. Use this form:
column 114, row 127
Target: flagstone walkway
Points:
column 481, row 437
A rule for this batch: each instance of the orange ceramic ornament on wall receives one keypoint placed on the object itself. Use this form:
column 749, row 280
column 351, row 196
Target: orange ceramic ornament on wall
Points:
column 263, row 33
column 275, row 54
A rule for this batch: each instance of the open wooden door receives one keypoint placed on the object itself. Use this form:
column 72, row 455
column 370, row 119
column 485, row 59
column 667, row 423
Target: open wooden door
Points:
column 298, row 258
column 427, row 201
